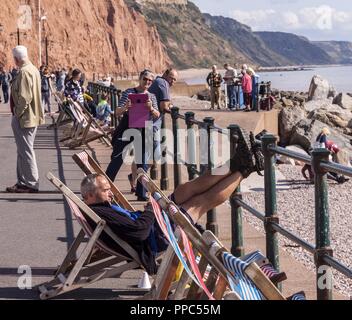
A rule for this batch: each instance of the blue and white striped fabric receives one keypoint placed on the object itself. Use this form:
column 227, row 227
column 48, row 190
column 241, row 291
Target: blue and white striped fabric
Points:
column 253, row 257
column 298, row 297
column 239, row 281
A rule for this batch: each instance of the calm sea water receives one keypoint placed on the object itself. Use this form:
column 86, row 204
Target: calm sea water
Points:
column 339, row 76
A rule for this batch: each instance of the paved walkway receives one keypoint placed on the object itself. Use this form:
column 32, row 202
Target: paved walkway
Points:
column 36, row 230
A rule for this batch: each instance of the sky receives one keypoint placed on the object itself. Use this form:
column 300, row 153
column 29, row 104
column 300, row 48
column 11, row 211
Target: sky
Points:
column 317, row 20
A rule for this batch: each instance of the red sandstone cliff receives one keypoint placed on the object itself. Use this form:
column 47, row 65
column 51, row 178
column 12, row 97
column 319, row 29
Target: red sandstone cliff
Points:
column 95, row 35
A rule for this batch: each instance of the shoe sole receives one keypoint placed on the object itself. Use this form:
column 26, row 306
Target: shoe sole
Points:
column 244, row 141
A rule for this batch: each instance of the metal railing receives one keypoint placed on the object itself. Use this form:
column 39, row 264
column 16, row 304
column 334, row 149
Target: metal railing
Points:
column 323, row 254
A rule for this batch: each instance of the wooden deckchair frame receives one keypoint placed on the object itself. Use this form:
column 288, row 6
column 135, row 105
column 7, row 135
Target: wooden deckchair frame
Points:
column 90, row 166
column 63, row 118
column 80, row 134
column 74, row 274
column 202, row 244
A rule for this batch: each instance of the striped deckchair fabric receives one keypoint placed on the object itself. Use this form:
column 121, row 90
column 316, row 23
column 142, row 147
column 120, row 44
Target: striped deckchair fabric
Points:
column 228, row 272
column 298, row 296
column 265, row 265
column 239, row 280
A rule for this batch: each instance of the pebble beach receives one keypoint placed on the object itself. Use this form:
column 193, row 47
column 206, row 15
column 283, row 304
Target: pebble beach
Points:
column 296, row 212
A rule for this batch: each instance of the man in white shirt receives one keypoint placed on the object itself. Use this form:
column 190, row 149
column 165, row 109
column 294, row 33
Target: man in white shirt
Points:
column 229, row 78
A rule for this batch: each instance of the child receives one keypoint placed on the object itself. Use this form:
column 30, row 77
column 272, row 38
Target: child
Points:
column 104, row 110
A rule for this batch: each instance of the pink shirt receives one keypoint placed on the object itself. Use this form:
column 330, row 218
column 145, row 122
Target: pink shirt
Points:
column 247, row 83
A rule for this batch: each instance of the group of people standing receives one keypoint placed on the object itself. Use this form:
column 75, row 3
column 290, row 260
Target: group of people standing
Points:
column 232, row 82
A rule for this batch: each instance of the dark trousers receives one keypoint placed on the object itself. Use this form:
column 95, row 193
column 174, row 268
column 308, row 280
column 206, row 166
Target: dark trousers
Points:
column 5, row 91
column 117, row 160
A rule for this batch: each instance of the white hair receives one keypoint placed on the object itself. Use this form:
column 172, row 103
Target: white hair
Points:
column 89, row 185
column 20, row 52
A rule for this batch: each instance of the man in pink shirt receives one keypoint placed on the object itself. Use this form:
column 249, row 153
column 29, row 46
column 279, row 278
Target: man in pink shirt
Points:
column 247, row 89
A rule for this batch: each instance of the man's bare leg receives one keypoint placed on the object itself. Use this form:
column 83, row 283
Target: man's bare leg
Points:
column 188, row 190
column 212, row 198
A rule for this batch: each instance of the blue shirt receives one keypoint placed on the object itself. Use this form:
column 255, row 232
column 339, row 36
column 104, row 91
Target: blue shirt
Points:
column 161, row 89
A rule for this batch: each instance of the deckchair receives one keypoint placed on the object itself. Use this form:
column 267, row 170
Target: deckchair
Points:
column 74, row 274
column 63, row 118
column 89, row 166
column 85, row 129
column 221, row 275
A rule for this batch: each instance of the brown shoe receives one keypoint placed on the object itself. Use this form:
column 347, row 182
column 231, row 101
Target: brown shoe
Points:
column 21, row 189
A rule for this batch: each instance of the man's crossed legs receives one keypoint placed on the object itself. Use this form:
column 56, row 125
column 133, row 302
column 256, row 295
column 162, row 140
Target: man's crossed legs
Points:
column 209, row 191
column 212, row 189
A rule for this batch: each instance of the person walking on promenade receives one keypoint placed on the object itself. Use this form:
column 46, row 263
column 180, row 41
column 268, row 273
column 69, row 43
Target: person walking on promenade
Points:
column 60, row 80
column 5, row 79
column 247, row 89
column 46, row 89
column 25, row 102
column 119, row 144
column 229, row 78
column 214, row 81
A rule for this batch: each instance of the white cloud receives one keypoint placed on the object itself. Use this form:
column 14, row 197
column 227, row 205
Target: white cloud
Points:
column 321, row 18
column 291, row 20
column 255, row 18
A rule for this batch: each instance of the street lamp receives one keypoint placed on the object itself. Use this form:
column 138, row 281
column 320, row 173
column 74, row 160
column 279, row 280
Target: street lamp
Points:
column 18, row 35
column 40, row 19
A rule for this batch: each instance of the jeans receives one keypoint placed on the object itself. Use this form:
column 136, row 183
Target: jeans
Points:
column 231, row 94
column 46, row 100
column 117, row 159
column 5, row 91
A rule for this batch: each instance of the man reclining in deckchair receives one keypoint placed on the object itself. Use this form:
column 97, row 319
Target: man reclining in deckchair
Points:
column 194, row 198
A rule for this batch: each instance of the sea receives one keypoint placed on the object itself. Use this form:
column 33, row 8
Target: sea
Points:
column 338, row 76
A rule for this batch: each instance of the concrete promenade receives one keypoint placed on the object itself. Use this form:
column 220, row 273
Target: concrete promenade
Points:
column 36, row 230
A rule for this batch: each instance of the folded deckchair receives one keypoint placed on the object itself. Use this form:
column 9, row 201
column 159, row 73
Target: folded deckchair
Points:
column 89, row 166
column 76, row 273
column 222, row 275
column 63, row 118
column 85, row 129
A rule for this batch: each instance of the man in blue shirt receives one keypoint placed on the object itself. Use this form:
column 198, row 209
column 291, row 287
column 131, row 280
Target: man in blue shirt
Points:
column 161, row 89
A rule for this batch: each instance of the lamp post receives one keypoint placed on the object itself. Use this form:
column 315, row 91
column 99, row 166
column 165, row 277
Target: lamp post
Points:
column 17, row 34
column 40, row 19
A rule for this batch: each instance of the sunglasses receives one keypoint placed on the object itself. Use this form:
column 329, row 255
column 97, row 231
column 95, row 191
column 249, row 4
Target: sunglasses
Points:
column 147, row 80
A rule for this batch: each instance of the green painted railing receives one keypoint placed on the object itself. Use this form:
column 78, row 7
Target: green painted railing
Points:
column 321, row 250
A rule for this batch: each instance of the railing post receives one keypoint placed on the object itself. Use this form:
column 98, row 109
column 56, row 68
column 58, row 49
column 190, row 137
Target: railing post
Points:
column 237, row 248
column 164, row 179
column 191, row 146
column 177, row 164
column 212, row 224
column 322, row 226
column 272, row 248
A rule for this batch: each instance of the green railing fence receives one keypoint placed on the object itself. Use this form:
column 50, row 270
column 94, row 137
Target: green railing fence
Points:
column 321, row 250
